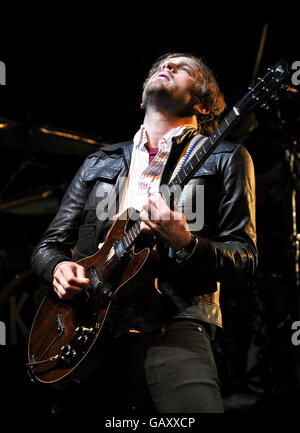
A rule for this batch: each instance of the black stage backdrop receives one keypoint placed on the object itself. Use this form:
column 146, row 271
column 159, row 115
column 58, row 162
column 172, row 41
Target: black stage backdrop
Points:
column 74, row 85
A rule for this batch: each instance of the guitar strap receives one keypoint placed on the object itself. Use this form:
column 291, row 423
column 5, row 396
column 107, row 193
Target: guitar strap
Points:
column 188, row 152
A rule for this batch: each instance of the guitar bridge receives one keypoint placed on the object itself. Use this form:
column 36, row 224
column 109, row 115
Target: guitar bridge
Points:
column 58, row 325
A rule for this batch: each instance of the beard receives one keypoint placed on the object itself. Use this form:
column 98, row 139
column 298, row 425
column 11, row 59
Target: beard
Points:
column 163, row 96
column 156, row 93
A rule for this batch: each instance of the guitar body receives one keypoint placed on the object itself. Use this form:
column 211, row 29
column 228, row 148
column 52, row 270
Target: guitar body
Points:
column 63, row 335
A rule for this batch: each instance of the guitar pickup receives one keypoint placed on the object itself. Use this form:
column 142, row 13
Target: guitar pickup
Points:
column 120, row 249
column 95, row 280
column 99, row 286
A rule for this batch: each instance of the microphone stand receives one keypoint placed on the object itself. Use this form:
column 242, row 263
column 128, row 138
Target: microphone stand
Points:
column 291, row 159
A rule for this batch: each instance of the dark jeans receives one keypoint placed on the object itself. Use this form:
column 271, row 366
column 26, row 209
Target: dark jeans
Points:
column 150, row 373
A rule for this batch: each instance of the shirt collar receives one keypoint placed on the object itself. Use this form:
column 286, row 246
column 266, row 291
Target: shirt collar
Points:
column 140, row 139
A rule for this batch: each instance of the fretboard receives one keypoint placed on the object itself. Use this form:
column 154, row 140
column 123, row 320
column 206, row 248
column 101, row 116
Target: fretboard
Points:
column 132, row 233
column 207, row 148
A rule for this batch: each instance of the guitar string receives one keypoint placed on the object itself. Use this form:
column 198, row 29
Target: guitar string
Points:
column 48, row 347
column 130, row 232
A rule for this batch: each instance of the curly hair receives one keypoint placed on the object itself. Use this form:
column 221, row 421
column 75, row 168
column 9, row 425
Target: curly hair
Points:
column 206, row 92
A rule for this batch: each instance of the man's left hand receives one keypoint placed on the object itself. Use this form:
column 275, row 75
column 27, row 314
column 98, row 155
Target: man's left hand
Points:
column 170, row 226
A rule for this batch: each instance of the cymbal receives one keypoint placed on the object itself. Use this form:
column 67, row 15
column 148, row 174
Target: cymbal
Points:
column 45, row 139
column 43, row 203
column 35, row 138
column 7, row 123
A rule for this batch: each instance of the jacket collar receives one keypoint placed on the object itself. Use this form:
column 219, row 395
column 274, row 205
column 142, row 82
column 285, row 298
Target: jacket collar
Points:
column 124, row 147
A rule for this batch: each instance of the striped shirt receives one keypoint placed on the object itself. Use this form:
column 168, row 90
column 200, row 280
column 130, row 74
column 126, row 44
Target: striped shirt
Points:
column 145, row 177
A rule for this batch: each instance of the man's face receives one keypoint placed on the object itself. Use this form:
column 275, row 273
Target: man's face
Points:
column 172, row 83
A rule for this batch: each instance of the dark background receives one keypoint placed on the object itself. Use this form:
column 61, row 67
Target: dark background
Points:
column 84, row 76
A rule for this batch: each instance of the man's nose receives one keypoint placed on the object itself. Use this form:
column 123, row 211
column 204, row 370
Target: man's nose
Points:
column 169, row 65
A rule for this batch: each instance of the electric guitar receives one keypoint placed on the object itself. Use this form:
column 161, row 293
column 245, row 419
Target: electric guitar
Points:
column 65, row 337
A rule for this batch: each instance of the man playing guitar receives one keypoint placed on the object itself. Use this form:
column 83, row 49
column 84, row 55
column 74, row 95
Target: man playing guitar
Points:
column 158, row 356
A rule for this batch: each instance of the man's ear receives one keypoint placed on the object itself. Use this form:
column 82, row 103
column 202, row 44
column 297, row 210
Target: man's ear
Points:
column 201, row 110
column 142, row 106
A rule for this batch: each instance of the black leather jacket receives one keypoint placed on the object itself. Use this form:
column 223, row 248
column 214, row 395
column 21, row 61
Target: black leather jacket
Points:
column 226, row 251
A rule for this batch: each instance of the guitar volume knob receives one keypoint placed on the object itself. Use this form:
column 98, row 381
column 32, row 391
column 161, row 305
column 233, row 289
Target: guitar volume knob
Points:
column 83, row 330
column 66, row 349
column 68, row 352
column 82, row 339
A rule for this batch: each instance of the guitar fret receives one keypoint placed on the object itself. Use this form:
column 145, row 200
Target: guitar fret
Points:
column 188, row 167
column 179, row 177
column 125, row 241
column 135, row 228
column 130, row 237
column 131, row 234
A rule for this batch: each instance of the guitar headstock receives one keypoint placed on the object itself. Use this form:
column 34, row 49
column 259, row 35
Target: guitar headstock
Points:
column 265, row 88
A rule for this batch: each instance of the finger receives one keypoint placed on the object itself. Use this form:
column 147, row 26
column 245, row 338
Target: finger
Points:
column 144, row 216
column 154, row 201
column 157, row 200
column 67, row 292
column 153, row 210
column 149, row 210
column 59, row 290
column 69, row 279
column 67, row 286
column 179, row 216
column 80, row 273
column 146, row 224
column 159, row 208
column 145, row 227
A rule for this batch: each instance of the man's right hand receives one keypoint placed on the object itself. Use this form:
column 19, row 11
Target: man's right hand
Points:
column 69, row 279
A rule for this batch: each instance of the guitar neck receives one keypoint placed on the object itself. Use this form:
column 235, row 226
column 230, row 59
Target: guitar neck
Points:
column 207, row 148
column 132, row 233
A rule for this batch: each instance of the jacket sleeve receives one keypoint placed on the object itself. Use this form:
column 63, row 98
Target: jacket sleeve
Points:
column 61, row 235
column 232, row 254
